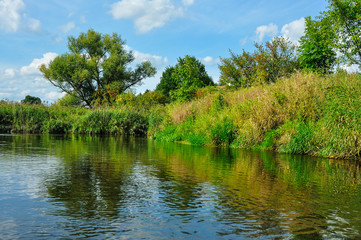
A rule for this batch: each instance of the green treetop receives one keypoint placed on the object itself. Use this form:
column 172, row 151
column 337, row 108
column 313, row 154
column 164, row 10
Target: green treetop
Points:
column 181, row 81
column 345, row 16
column 96, row 69
column 316, row 50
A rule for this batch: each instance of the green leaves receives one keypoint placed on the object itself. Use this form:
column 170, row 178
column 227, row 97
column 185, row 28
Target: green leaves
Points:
column 182, row 81
column 336, row 30
column 96, row 68
column 346, row 18
column 316, row 46
column 269, row 62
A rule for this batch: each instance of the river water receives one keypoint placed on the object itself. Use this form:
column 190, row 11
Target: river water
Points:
column 73, row 187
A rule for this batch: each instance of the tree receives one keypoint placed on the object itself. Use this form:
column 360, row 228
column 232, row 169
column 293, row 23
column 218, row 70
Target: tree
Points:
column 31, row 100
column 96, row 68
column 345, row 16
column 238, row 70
column 316, row 50
column 181, row 81
column 275, row 59
column 167, row 83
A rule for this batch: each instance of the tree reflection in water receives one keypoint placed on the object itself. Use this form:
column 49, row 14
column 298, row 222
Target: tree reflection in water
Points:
column 119, row 186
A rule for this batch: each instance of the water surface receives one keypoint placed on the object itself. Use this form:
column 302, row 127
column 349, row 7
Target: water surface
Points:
column 61, row 187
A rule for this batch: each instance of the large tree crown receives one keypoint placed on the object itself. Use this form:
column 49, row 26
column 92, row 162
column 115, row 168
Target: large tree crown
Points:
column 96, row 67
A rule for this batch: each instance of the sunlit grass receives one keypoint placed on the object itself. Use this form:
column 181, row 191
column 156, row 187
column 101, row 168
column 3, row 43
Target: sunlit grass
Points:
column 303, row 114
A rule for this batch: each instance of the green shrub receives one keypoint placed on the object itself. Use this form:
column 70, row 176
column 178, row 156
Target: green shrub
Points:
column 29, row 118
column 56, row 126
column 301, row 141
column 223, row 132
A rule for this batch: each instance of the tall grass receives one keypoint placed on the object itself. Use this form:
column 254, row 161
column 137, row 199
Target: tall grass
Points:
column 303, row 114
column 24, row 118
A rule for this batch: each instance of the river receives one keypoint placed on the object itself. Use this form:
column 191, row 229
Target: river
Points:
column 73, row 187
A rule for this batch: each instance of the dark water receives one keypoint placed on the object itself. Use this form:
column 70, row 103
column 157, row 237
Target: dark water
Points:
column 66, row 187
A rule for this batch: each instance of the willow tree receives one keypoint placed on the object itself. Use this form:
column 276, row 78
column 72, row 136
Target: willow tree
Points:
column 96, row 68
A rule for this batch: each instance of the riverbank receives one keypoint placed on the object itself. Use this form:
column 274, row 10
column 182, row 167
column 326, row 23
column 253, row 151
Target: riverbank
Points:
column 304, row 114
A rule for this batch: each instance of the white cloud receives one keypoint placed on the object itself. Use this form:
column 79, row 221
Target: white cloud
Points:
column 5, row 95
column 16, row 83
column 55, row 95
column 188, row 2
column 13, row 19
column 243, row 41
column 24, row 93
column 68, row 27
column 10, row 14
column 57, row 39
column 41, row 90
column 294, row 30
column 33, row 68
column 269, row 30
column 9, row 73
column 34, row 25
column 210, row 61
column 155, row 60
column 140, row 57
column 71, row 14
column 13, row 89
column 40, row 82
column 146, row 14
column 83, row 19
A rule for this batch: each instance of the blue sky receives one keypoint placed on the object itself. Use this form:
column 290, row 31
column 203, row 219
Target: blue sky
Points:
column 33, row 32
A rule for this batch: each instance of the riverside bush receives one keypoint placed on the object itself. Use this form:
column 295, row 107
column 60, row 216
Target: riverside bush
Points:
column 223, row 132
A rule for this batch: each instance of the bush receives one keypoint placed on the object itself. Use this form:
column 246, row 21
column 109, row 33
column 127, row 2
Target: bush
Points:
column 223, row 132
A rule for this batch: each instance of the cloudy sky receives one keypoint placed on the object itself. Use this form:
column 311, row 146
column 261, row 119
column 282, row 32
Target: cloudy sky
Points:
column 33, row 32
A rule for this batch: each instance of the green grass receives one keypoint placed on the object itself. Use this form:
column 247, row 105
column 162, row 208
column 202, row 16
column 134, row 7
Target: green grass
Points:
column 24, row 118
column 303, row 114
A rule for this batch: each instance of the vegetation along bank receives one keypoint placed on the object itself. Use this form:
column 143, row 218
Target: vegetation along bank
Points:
column 286, row 97
column 302, row 114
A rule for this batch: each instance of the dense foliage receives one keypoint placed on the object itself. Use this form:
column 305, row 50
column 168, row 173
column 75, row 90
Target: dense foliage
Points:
column 336, row 30
column 303, row 114
column 31, row 100
column 273, row 105
column 167, row 82
column 96, row 69
column 182, row 81
column 275, row 59
column 345, row 16
column 316, row 51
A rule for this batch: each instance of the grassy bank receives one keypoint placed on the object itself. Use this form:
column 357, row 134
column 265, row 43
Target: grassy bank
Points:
column 304, row 114
column 23, row 118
